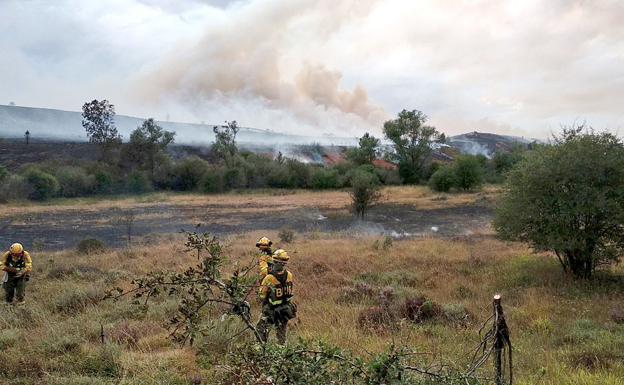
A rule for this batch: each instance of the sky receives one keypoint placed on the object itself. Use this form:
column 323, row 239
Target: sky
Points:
column 335, row 67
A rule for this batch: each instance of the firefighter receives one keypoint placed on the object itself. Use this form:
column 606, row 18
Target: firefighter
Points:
column 17, row 265
column 265, row 260
column 275, row 293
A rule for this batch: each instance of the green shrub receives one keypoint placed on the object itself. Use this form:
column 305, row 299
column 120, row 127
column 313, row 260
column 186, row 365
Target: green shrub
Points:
column 234, row 177
column 138, row 182
column 188, row 173
column 103, row 182
column 468, row 172
column 443, row 179
column 212, row 181
column 4, row 173
column 74, row 181
column 14, row 187
column 324, row 178
column 299, row 173
column 90, row 246
column 280, row 177
column 44, row 186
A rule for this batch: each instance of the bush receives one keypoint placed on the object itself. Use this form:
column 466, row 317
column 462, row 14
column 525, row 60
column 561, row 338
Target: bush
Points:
column 286, row 235
column 44, row 186
column 443, row 179
column 4, row 173
column 468, row 172
column 299, row 173
column 14, row 187
column 568, row 198
column 212, row 181
column 189, row 172
column 324, row 178
column 138, row 182
column 364, row 192
column 234, row 177
column 90, row 246
column 74, row 181
column 103, row 182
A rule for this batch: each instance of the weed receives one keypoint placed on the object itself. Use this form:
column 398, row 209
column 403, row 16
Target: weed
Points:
column 286, row 235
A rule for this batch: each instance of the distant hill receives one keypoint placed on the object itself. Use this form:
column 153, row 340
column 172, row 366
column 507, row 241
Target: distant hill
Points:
column 47, row 123
column 476, row 143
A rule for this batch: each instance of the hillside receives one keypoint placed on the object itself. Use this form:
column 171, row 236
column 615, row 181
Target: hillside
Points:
column 52, row 124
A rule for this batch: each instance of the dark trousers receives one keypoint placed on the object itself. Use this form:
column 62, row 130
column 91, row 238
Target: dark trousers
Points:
column 267, row 320
column 15, row 287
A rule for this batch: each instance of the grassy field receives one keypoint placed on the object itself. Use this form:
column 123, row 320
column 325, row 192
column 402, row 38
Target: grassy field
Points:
column 562, row 330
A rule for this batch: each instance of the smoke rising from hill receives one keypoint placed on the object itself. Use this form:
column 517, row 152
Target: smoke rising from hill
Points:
column 249, row 56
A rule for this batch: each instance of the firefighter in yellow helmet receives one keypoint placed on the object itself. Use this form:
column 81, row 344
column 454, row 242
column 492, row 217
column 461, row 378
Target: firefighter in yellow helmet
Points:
column 17, row 265
column 265, row 260
column 276, row 292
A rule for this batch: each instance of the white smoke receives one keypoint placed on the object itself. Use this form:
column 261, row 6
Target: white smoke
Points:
column 249, row 57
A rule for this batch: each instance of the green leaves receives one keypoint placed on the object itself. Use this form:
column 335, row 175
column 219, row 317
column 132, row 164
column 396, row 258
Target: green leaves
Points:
column 568, row 198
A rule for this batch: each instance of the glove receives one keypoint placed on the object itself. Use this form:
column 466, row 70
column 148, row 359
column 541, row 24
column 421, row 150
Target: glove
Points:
column 9, row 269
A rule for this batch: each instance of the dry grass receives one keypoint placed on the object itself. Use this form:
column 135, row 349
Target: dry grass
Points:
column 260, row 201
column 561, row 329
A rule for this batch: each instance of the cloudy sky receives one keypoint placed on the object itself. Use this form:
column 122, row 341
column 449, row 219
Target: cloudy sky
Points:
column 327, row 66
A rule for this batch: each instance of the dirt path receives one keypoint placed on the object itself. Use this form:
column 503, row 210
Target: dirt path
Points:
column 60, row 229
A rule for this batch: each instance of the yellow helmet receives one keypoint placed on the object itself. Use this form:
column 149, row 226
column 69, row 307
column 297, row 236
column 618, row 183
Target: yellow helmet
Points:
column 17, row 248
column 280, row 255
column 264, row 242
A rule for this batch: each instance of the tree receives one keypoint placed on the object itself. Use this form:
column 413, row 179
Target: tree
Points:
column 412, row 143
column 468, row 172
column 225, row 140
column 366, row 152
column 147, row 143
column 98, row 121
column 568, row 198
column 364, row 192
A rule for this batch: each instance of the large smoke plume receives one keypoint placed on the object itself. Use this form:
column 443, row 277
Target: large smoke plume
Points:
column 258, row 53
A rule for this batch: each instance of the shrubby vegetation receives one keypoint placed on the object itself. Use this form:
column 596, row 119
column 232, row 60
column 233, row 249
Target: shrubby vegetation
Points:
column 569, row 198
column 143, row 164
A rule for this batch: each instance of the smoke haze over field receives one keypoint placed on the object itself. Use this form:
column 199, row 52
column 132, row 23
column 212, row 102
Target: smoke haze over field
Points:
column 305, row 66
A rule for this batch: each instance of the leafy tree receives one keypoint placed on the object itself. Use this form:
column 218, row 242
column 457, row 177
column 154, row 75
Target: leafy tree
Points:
column 569, row 198
column 468, row 172
column 148, row 143
column 364, row 192
column 366, row 152
column 412, row 143
column 225, row 140
column 443, row 179
column 98, row 120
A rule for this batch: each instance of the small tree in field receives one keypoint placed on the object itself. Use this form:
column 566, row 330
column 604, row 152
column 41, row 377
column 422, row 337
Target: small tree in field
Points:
column 569, row 198
column 364, row 192
column 98, row 121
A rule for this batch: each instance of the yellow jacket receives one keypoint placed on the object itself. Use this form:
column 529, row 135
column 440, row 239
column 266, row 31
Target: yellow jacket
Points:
column 263, row 263
column 273, row 291
column 7, row 260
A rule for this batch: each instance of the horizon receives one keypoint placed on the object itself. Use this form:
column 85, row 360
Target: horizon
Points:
column 519, row 68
